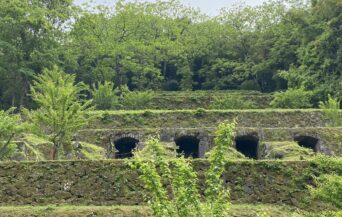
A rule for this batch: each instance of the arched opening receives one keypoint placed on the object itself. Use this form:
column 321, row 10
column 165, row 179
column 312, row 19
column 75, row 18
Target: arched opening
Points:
column 247, row 145
column 188, row 145
column 124, row 147
column 307, row 142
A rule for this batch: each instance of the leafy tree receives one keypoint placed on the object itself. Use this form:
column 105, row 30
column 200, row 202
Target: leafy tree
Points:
column 166, row 45
column 62, row 107
column 30, row 38
column 155, row 166
column 10, row 126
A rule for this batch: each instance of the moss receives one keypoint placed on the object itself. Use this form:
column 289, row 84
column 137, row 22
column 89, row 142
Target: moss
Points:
column 200, row 99
column 92, row 152
column 288, row 150
column 237, row 210
column 208, row 118
column 111, row 182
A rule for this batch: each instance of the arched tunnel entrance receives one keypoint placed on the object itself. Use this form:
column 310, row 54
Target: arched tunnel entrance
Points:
column 125, row 147
column 247, row 145
column 188, row 145
column 307, row 142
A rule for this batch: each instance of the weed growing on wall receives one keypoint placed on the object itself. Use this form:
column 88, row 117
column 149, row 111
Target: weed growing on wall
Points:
column 331, row 110
column 158, row 169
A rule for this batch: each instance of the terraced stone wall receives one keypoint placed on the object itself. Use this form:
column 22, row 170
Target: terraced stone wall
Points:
column 114, row 183
column 329, row 139
column 208, row 118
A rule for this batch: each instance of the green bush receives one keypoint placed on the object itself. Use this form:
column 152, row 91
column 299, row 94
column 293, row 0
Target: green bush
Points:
column 331, row 110
column 10, row 126
column 292, row 98
column 104, row 95
column 232, row 102
column 328, row 189
column 136, row 100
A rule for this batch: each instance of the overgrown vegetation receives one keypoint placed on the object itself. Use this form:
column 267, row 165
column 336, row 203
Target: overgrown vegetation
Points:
column 328, row 189
column 155, row 167
column 104, row 96
column 331, row 110
column 10, row 126
column 165, row 45
column 62, row 108
column 292, row 98
column 232, row 102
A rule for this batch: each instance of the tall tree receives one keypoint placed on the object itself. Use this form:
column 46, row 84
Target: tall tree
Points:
column 29, row 40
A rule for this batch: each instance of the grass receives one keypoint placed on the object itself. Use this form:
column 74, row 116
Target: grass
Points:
column 237, row 210
column 92, row 152
column 158, row 111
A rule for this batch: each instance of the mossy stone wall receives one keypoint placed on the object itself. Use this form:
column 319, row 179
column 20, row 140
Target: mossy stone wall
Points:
column 114, row 183
column 208, row 118
column 329, row 139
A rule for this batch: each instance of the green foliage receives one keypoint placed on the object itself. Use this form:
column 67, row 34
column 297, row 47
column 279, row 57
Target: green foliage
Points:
column 62, row 111
column 170, row 46
column 331, row 110
column 292, row 98
column 217, row 196
column 156, row 170
column 136, row 100
column 249, row 85
column 105, row 97
column 32, row 33
column 328, row 189
column 10, row 126
column 232, row 102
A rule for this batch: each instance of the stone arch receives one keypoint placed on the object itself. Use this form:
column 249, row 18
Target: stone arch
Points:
column 248, row 145
column 124, row 147
column 307, row 141
column 188, row 145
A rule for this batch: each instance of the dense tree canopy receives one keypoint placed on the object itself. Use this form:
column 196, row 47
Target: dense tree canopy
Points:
column 168, row 46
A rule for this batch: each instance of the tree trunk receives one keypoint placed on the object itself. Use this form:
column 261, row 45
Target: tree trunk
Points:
column 54, row 152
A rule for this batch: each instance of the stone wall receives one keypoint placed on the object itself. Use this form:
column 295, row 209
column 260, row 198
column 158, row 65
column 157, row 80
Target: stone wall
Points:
column 329, row 139
column 114, row 183
column 207, row 118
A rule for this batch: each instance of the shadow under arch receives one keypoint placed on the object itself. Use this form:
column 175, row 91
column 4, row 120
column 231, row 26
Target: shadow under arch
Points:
column 307, row 142
column 188, row 145
column 125, row 147
column 248, row 145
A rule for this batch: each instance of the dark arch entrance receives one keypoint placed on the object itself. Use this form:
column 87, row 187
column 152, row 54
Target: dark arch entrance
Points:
column 307, row 142
column 124, row 147
column 247, row 145
column 188, row 145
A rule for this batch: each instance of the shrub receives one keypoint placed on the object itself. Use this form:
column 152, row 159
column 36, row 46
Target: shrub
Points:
column 200, row 112
column 104, row 95
column 10, row 126
column 154, row 164
column 292, row 98
column 328, row 189
column 136, row 100
column 331, row 110
column 231, row 102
